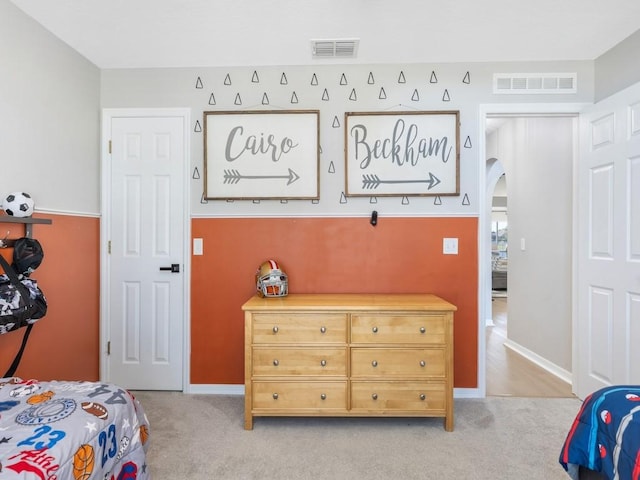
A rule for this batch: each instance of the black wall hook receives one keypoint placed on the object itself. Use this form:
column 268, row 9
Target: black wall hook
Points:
column 374, row 218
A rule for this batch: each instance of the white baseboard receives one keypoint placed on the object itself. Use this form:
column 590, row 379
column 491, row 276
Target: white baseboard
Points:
column 550, row 367
column 467, row 393
column 213, row 389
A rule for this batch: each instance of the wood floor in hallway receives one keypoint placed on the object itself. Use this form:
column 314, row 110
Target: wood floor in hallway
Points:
column 510, row 374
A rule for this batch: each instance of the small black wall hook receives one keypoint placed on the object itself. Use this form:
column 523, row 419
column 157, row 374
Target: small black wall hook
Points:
column 374, row 218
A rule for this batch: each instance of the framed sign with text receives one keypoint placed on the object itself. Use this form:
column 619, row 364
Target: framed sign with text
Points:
column 254, row 155
column 402, row 153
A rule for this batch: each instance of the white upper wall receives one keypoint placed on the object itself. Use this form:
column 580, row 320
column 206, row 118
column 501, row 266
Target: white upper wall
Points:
column 51, row 96
column 618, row 68
column 49, row 118
column 334, row 90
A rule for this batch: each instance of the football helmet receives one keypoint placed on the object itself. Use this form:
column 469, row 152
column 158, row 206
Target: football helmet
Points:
column 271, row 281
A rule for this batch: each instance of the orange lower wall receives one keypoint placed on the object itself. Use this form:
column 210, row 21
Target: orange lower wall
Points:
column 319, row 255
column 341, row 255
column 64, row 344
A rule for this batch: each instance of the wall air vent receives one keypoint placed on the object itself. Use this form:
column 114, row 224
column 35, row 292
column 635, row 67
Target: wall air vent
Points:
column 535, row 83
column 344, row 48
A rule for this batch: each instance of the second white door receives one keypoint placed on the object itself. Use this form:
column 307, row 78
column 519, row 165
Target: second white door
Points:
column 608, row 287
column 146, row 258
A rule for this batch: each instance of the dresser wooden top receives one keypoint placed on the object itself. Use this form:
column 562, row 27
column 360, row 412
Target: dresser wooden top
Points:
column 350, row 301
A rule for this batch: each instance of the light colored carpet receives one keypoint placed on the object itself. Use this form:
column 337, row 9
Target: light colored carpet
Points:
column 200, row 437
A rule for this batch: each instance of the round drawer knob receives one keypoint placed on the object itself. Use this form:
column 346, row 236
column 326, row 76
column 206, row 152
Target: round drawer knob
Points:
column 323, row 396
column 374, row 329
column 423, row 396
column 374, row 396
column 323, row 329
column 275, row 396
column 374, row 363
column 422, row 363
column 423, row 330
column 276, row 363
column 323, row 363
column 275, row 329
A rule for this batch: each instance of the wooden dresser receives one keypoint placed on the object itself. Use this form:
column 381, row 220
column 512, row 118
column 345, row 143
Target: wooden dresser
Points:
column 349, row 355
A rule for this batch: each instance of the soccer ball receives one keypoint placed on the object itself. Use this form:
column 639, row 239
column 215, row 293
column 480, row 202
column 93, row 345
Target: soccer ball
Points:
column 18, row 204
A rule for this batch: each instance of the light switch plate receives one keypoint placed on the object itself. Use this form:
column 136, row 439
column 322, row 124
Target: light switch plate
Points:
column 450, row 246
column 197, row 246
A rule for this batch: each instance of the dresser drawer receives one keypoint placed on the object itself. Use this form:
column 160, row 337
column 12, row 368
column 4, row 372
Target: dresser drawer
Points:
column 299, row 328
column 282, row 361
column 295, row 396
column 417, row 329
column 401, row 362
column 410, row 396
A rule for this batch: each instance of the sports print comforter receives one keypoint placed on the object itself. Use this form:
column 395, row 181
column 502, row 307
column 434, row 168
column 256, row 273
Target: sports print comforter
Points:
column 605, row 435
column 71, row 431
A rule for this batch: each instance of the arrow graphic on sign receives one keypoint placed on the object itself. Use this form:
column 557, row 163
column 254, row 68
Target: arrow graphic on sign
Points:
column 371, row 182
column 234, row 176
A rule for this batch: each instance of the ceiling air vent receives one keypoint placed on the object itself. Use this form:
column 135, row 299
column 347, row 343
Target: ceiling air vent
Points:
column 535, row 83
column 345, row 48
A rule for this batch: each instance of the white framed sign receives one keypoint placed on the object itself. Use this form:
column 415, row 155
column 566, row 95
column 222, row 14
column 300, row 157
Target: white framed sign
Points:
column 262, row 154
column 402, row 153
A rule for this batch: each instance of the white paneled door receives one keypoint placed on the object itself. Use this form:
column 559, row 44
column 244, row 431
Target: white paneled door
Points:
column 145, row 257
column 608, row 286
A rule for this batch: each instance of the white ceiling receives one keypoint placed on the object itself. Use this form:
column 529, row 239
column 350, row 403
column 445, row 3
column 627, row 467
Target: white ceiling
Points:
column 202, row 33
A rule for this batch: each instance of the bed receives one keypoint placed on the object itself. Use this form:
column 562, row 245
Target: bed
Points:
column 71, row 431
column 604, row 439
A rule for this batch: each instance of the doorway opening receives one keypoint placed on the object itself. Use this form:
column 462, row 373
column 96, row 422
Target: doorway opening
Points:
column 526, row 279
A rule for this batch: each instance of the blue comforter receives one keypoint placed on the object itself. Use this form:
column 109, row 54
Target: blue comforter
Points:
column 605, row 435
column 71, row 431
